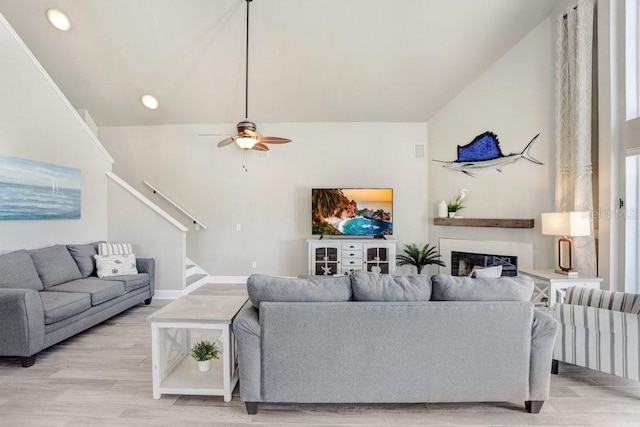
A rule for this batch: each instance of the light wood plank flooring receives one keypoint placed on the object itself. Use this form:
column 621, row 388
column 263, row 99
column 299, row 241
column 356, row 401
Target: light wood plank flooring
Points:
column 102, row 377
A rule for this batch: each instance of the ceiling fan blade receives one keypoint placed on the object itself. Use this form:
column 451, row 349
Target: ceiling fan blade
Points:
column 273, row 140
column 260, row 147
column 251, row 133
column 227, row 141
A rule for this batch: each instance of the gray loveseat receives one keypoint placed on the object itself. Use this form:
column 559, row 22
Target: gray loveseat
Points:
column 48, row 295
column 385, row 339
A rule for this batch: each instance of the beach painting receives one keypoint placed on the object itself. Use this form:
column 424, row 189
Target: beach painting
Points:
column 31, row 190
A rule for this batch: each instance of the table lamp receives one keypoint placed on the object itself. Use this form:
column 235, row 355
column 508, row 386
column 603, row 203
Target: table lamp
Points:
column 566, row 225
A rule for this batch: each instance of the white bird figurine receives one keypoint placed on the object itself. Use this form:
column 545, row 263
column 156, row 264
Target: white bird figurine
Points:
column 461, row 195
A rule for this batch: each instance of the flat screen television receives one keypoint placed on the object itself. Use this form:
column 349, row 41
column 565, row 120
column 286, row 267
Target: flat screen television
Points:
column 352, row 211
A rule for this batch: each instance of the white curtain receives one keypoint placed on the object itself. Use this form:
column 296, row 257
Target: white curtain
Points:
column 573, row 124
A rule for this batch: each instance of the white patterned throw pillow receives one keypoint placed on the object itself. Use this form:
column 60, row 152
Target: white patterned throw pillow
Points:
column 487, row 272
column 115, row 265
column 105, row 248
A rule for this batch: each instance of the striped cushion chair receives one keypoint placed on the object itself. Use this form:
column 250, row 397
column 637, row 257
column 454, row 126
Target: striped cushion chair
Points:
column 599, row 330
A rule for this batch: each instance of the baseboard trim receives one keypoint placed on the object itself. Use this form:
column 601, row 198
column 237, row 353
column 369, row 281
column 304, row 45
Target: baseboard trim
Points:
column 168, row 294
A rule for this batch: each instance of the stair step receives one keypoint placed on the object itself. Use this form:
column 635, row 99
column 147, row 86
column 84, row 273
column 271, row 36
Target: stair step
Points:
column 194, row 278
column 190, row 266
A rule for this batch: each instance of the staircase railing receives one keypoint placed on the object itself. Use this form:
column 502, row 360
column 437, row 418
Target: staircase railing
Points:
column 132, row 217
column 198, row 224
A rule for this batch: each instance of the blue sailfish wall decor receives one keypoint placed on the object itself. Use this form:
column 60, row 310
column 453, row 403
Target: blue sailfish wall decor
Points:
column 484, row 153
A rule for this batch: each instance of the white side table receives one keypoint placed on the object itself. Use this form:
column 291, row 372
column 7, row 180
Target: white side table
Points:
column 549, row 284
column 174, row 370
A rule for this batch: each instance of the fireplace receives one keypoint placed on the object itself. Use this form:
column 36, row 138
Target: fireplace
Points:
column 482, row 253
column 463, row 263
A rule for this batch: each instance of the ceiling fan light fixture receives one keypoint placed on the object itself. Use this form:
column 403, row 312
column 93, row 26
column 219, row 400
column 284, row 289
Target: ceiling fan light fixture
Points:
column 248, row 137
column 149, row 101
column 245, row 142
column 58, row 19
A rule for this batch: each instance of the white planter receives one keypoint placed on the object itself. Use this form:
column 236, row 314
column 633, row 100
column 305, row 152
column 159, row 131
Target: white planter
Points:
column 452, row 214
column 204, row 366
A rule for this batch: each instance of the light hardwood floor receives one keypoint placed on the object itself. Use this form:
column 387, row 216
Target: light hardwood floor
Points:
column 102, row 377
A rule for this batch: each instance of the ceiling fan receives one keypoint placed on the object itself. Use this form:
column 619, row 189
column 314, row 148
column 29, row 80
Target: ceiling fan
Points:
column 248, row 137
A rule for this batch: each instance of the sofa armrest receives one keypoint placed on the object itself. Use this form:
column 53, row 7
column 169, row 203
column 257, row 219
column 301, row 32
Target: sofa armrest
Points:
column 148, row 265
column 22, row 320
column 598, row 339
column 543, row 337
column 246, row 327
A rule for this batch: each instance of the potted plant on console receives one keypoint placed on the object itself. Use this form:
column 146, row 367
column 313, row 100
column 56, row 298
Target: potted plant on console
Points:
column 203, row 352
column 453, row 207
column 419, row 257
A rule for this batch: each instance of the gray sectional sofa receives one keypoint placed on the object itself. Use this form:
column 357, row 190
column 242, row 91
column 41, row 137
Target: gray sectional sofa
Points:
column 48, row 295
column 386, row 339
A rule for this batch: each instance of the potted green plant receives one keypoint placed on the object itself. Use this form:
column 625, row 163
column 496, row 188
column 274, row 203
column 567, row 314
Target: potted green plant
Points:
column 419, row 257
column 456, row 204
column 453, row 207
column 203, row 352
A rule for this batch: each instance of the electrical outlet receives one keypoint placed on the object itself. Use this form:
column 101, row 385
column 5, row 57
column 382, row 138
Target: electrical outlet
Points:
column 254, row 264
column 238, row 227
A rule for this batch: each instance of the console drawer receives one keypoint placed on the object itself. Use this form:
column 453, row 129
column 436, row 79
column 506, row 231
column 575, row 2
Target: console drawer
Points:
column 351, row 254
column 352, row 246
column 352, row 263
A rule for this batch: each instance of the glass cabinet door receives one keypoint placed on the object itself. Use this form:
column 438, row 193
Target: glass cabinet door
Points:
column 378, row 260
column 326, row 261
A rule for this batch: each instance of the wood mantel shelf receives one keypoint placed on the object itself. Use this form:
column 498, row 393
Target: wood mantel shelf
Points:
column 484, row 222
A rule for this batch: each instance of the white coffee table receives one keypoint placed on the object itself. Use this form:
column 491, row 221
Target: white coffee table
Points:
column 174, row 370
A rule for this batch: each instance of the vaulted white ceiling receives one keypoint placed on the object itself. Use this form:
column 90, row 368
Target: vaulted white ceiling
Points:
column 310, row 60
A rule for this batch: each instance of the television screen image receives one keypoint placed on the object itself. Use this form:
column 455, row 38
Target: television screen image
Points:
column 352, row 211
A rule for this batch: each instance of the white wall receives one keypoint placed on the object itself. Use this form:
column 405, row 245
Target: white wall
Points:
column 272, row 200
column 515, row 99
column 38, row 123
column 152, row 236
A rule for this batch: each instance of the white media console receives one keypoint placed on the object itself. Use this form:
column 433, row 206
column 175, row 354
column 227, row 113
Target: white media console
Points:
column 344, row 256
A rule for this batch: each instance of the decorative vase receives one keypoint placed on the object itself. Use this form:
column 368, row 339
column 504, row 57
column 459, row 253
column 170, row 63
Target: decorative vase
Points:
column 204, row 365
column 452, row 214
column 442, row 209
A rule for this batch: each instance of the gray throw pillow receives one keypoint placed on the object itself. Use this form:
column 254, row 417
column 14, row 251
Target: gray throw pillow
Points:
column 55, row 265
column 18, row 272
column 452, row 288
column 385, row 287
column 83, row 256
column 317, row 289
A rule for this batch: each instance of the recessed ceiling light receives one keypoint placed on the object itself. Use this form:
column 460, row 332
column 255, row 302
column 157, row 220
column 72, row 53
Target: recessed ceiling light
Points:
column 58, row 19
column 149, row 101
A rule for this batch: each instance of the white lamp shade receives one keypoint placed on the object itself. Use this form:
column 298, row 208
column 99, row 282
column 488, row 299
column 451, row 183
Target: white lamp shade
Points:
column 566, row 224
column 246, row 143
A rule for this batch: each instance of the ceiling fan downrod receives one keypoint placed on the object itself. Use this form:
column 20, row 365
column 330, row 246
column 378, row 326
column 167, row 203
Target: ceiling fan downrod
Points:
column 246, row 68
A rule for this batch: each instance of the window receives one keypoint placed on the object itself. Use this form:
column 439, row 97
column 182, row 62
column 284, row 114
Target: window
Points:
column 632, row 56
column 632, row 228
